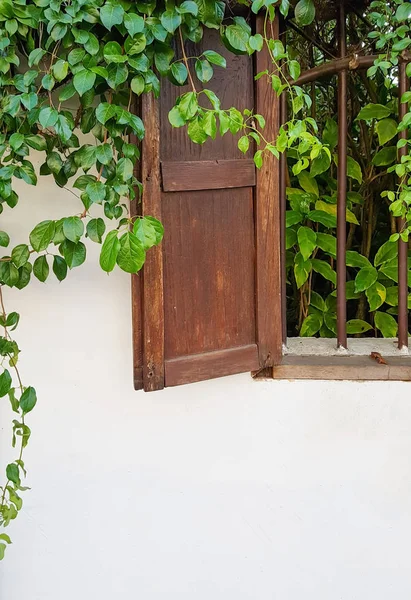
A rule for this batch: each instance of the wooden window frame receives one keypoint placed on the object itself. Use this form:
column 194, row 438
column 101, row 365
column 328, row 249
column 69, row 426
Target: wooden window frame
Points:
column 265, row 358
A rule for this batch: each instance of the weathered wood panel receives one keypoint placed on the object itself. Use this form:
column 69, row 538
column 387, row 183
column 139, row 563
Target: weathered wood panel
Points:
column 153, row 290
column 180, row 176
column 268, row 220
column 211, row 364
column 209, row 294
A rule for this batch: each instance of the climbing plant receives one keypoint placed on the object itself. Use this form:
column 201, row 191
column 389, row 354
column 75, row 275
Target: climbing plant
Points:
column 75, row 67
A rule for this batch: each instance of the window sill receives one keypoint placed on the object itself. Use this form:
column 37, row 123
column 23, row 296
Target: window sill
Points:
column 308, row 358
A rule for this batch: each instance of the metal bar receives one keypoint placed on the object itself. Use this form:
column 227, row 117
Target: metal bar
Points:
column 283, row 206
column 402, row 246
column 332, row 67
column 342, row 188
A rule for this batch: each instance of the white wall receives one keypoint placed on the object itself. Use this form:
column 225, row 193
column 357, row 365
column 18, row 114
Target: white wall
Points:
column 224, row 490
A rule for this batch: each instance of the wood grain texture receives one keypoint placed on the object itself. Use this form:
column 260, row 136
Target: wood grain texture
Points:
column 184, row 176
column 338, row 368
column 153, row 293
column 232, row 85
column 268, row 219
column 136, row 280
column 211, row 364
column 209, row 243
column 209, row 272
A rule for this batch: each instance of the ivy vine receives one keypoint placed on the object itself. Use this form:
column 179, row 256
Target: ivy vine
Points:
column 97, row 56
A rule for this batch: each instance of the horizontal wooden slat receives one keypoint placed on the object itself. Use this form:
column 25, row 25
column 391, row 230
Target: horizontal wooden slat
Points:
column 208, row 365
column 349, row 368
column 184, row 176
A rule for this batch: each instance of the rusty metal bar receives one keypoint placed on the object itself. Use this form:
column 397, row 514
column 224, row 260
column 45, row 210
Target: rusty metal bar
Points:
column 332, row 67
column 283, row 207
column 342, row 187
column 402, row 246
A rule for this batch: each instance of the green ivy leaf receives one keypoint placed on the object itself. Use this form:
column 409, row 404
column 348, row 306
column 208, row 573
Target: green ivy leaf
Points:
column 209, row 124
column 170, row 20
column 104, row 154
column 104, row 112
column 376, row 295
column 256, row 43
column 60, row 70
column 311, row 325
column 243, row 143
column 196, row 131
column 41, row 268
column 319, row 216
column 373, row 111
column 386, row 156
column 354, row 169
column 324, row 269
column 5, row 538
column 131, row 255
column 145, row 233
column 356, row 326
column 304, row 12
column 386, row 324
column 124, row 169
column 4, row 239
column 20, row 255
column 114, row 53
column 179, row 72
column 96, row 229
column 5, row 383
column 320, row 164
column 35, row 56
column 133, row 23
column 48, row 117
column 109, row 251
column 204, row 70
column 385, row 253
column 29, row 100
column 74, row 254
column 354, row 259
column 327, row 243
column 12, row 473
column 9, row 274
column 37, row 142
column 308, row 183
column 365, row 278
column 59, row 268
column 330, row 135
column 175, row 118
column 307, row 241
column 83, row 81
column 188, row 7
column 403, row 12
column 137, row 84
column 73, row 228
column 28, row 400
column 317, row 301
column 386, row 130
column 158, row 228
column 111, row 14
column 96, row 191
column 42, row 235
column 215, row 58
column 302, row 269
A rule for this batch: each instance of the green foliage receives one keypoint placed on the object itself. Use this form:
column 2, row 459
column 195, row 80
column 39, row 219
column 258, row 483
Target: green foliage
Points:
column 93, row 56
column 312, row 202
column 97, row 55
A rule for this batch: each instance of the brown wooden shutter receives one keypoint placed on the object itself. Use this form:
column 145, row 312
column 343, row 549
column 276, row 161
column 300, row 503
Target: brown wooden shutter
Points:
column 208, row 303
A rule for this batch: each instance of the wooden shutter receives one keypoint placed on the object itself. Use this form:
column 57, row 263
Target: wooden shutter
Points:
column 208, row 303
